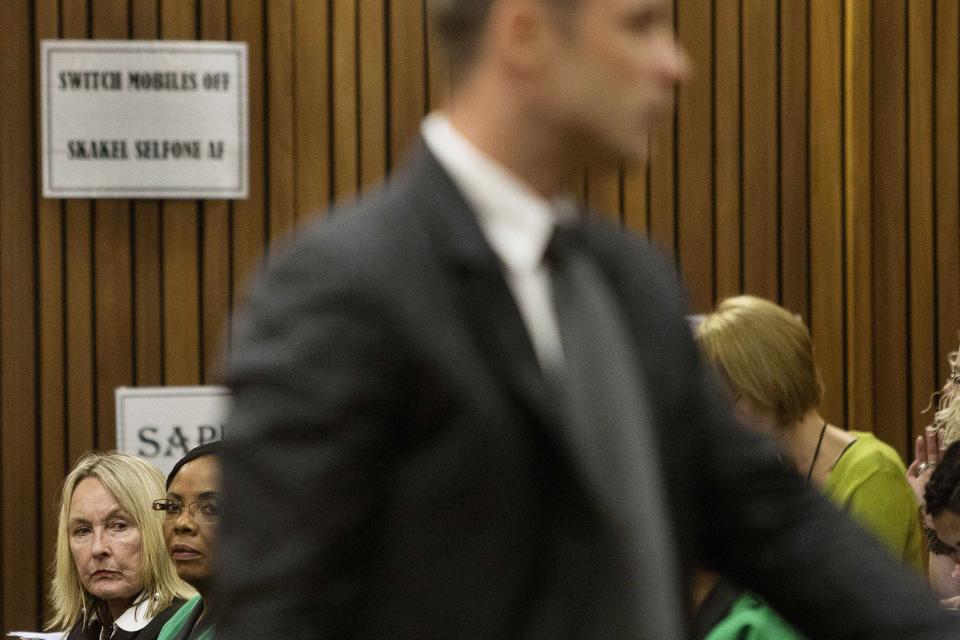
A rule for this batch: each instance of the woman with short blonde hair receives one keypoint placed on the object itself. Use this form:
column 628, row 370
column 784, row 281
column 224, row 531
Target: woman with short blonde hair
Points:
column 764, row 354
column 111, row 567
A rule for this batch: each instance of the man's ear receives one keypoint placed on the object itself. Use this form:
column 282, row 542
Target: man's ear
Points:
column 522, row 35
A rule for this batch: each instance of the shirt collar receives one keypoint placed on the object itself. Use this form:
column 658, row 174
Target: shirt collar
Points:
column 515, row 220
column 136, row 616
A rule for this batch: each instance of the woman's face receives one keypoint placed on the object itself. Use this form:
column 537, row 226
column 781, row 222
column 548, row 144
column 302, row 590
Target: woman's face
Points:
column 106, row 544
column 191, row 535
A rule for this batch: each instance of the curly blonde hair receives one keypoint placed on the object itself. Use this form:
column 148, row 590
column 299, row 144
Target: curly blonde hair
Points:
column 947, row 416
column 135, row 484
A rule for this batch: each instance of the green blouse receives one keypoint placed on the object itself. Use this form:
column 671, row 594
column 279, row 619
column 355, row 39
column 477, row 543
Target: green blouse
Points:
column 183, row 617
column 869, row 482
column 751, row 619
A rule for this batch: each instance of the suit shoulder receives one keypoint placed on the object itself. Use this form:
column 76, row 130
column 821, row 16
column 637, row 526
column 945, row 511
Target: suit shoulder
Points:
column 354, row 237
column 637, row 265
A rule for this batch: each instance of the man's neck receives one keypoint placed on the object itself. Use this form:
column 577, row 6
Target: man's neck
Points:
column 522, row 144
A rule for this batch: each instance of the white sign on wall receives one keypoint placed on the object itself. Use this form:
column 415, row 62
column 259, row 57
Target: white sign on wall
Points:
column 144, row 119
column 162, row 424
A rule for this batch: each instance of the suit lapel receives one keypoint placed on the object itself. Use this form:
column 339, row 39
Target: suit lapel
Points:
column 475, row 285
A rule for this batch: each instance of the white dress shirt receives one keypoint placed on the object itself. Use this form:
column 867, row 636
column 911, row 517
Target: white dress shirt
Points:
column 516, row 221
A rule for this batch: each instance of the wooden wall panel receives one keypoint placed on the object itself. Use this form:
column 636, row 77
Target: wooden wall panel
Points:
column 312, row 118
column 373, row 91
column 661, row 186
column 891, row 357
column 408, row 91
column 438, row 70
column 249, row 222
column 18, row 368
column 636, row 213
column 216, row 217
column 695, row 158
column 344, row 99
column 147, row 246
column 281, row 89
column 947, row 154
column 603, row 190
column 51, row 392
column 760, row 143
column 921, row 280
column 826, row 201
column 181, row 254
column 812, row 158
column 112, row 268
column 728, row 143
column 81, row 429
column 858, row 174
column 794, row 156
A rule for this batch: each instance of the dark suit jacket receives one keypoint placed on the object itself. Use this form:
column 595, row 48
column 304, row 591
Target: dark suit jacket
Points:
column 396, row 468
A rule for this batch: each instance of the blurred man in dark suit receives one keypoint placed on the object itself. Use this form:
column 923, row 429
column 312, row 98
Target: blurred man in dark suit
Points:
column 465, row 409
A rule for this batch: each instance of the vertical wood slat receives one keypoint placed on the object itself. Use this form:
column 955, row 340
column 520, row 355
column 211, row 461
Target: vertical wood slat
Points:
column 79, row 287
column 947, row 198
column 148, row 287
column 407, row 75
column 695, row 156
column 248, row 229
column 147, row 259
column 373, row 91
column 727, row 115
column 888, row 109
column 859, row 217
column 344, row 99
column 438, row 71
column 312, row 114
column 215, row 248
column 636, row 214
column 281, row 100
column 113, row 305
column 181, row 291
column 760, row 184
column 661, row 192
column 922, row 278
column 18, row 410
column 603, row 190
column 52, row 378
column 794, row 161
column 826, row 202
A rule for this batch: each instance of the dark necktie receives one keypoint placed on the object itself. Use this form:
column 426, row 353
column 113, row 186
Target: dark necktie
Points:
column 610, row 429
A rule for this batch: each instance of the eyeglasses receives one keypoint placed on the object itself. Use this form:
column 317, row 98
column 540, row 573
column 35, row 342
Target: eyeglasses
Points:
column 202, row 512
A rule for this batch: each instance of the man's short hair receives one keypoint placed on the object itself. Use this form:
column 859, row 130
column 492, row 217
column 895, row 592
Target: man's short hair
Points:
column 459, row 26
column 765, row 354
column 943, row 489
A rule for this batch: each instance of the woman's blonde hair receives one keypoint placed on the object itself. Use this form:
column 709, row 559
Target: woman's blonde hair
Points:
column 765, row 354
column 948, row 410
column 135, row 484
